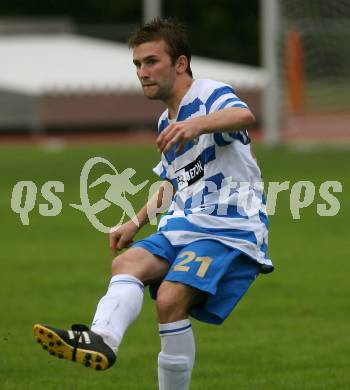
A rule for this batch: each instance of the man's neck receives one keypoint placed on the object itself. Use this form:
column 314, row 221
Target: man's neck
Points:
column 180, row 90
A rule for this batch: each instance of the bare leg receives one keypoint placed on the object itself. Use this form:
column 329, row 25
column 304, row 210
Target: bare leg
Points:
column 123, row 301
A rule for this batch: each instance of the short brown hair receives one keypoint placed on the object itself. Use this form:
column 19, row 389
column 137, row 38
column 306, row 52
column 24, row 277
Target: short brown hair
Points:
column 173, row 33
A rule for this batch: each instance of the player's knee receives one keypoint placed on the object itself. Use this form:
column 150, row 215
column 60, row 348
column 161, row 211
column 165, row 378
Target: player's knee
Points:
column 169, row 308
column 121, row 264
column 141, row 264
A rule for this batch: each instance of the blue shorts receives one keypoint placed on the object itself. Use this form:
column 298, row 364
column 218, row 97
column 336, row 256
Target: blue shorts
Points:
column 223, row 272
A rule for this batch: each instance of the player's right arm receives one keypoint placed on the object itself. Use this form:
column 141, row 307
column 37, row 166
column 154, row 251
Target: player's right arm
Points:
column 122, row 236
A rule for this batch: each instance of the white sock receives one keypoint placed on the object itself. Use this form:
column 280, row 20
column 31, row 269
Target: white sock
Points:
column 118, row 309
column 176, row 359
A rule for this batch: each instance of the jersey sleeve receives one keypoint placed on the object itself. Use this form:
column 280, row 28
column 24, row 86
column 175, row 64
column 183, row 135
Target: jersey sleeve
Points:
column 224, row 97
column 164, row 170
column 160, row 171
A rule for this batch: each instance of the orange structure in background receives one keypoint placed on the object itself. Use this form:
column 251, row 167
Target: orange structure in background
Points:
column 295, row 71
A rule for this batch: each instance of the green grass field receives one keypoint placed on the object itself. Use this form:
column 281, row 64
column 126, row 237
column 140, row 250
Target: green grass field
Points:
column 291, row 331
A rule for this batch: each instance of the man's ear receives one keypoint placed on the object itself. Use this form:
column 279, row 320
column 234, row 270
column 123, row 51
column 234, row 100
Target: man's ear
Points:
column 181, row 64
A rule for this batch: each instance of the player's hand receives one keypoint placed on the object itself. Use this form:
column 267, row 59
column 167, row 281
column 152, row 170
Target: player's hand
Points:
column 181, row 133
column 121, row 237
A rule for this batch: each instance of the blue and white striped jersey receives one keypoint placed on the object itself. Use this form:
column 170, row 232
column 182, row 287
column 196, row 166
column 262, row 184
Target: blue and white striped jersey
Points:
column 219, row 187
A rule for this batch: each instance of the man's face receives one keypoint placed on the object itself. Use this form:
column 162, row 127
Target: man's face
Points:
column 154, row 69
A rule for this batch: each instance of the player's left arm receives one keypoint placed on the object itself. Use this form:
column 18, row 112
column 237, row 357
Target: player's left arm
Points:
column 226, row 120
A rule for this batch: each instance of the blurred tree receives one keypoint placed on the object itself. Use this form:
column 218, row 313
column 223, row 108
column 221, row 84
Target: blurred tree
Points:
column 224, row 29
column 92, row 11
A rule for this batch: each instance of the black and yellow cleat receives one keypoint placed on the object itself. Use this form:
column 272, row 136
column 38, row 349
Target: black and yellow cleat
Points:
column 78, row 344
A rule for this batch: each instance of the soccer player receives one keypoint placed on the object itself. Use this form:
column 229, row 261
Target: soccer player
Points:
column 212, row 242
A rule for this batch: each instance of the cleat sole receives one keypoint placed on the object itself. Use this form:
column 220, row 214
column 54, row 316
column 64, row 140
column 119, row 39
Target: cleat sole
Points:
column 62, row 350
